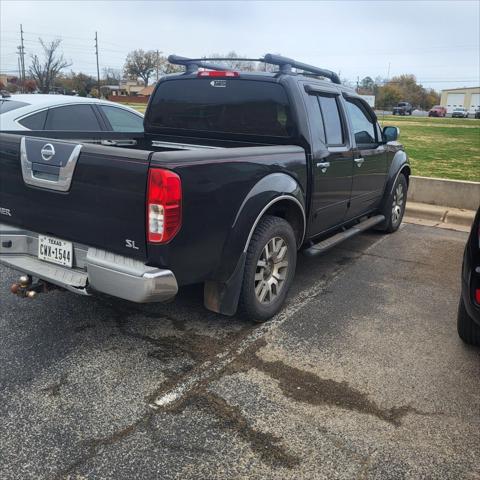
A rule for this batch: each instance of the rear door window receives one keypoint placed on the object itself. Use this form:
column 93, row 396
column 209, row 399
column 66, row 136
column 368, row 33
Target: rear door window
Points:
column 331, row 120
column 35, row 121
column 72, row 118
column 122, row 120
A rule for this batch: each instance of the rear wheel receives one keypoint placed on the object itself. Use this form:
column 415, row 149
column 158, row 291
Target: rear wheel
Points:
column 467, row 329
column 269, row 268
column 394, row 207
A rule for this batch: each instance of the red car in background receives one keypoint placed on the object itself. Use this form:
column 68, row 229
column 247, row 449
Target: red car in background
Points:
column 437, row 111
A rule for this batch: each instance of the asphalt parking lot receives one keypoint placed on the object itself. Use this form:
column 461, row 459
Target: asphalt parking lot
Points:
column 362, row 375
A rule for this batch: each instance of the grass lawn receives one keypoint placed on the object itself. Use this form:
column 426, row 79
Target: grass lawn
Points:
column 437, row 147
column 440, row 147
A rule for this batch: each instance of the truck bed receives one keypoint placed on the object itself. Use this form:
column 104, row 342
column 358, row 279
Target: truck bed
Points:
column 104, row 207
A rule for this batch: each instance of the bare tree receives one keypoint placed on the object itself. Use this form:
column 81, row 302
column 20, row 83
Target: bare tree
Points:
column 44, row 72
column 141, row 64
column 112, row 76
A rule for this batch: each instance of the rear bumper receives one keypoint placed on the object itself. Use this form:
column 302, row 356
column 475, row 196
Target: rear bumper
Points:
column 93, row 269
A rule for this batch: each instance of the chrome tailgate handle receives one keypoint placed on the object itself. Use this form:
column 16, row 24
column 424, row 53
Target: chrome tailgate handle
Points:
column 118, row 143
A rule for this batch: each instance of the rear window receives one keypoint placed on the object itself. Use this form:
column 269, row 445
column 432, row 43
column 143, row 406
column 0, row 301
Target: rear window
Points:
column 9, row 105
column 227, row 106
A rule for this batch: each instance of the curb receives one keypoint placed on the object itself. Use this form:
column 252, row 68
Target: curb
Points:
column 441, row 216
column 457, row 194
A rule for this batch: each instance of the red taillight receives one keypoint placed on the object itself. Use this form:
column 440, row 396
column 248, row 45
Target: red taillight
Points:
column 164, row 205
column 477, row 295
column 218, row 73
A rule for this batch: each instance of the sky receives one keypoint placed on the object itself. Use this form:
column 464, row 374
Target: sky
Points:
column 437, row 41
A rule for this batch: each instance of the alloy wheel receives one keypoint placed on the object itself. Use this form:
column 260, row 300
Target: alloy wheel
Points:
column 397, row 205
column 271, row 271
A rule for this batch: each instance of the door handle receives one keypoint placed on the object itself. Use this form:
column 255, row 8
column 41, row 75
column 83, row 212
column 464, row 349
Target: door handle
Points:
column 323, row 166
column 359, row 161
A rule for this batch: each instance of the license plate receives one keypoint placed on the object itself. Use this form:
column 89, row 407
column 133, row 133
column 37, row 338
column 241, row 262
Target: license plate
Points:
column 54, row 250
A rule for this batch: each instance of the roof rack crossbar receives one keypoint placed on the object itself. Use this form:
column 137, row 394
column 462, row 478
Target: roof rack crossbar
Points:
column 286, row 64
column 193, row 64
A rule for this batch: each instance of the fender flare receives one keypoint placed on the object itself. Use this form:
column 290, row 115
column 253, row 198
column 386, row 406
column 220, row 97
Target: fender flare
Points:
column 222, row 293
column 400, row 164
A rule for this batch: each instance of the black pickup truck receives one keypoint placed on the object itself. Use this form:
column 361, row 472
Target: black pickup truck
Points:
column 235, row 173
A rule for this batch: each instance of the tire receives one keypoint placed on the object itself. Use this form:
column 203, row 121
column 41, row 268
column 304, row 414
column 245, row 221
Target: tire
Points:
column 467, row 329
column 394, row 207
column 266, row 280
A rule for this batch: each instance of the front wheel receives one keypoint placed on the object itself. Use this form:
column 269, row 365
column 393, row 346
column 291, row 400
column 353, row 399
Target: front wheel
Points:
column 394, row 207
column 269, row 268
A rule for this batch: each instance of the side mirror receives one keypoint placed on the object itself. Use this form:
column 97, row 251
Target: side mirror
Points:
column 390, row 134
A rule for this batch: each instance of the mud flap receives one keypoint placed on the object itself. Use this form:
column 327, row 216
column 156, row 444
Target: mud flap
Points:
column 222, row 297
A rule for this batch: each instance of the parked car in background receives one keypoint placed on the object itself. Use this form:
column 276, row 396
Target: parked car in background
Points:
column 437, row 111
column 468, row 324
column 477, row 113
column 403, row 108
column 66, row 113
column 460, row 112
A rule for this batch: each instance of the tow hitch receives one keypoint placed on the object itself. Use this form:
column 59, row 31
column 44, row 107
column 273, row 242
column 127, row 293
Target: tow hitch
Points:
column 25, row 287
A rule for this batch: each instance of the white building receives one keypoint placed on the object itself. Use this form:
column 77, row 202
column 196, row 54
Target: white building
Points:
column 466, row 97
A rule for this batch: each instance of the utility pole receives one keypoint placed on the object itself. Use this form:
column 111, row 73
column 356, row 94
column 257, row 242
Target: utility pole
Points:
column 157, row 63
column 22, row 57
column 98, row 68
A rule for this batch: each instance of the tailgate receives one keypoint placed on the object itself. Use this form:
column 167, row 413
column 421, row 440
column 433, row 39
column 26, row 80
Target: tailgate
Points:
column 88, row 194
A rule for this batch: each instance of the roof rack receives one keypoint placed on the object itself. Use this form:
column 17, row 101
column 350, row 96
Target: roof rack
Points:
column 286, row 64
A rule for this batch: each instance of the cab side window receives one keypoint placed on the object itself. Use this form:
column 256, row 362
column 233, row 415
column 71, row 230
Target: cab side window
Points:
column 363, row 126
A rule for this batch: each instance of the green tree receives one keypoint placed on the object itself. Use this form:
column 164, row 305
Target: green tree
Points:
column 141, row 64
column 80, row 83
column 405, row 88
column 367, row 85
column 388, row 96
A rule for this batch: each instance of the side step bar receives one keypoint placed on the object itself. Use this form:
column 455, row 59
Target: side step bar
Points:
column 330, row 242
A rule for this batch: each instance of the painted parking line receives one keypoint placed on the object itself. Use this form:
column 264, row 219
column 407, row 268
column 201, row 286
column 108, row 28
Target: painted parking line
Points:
column 173, row 395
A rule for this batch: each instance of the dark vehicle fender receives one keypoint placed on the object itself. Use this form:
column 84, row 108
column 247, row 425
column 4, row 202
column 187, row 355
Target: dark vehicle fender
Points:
column 399, row 165
column 276, row 194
